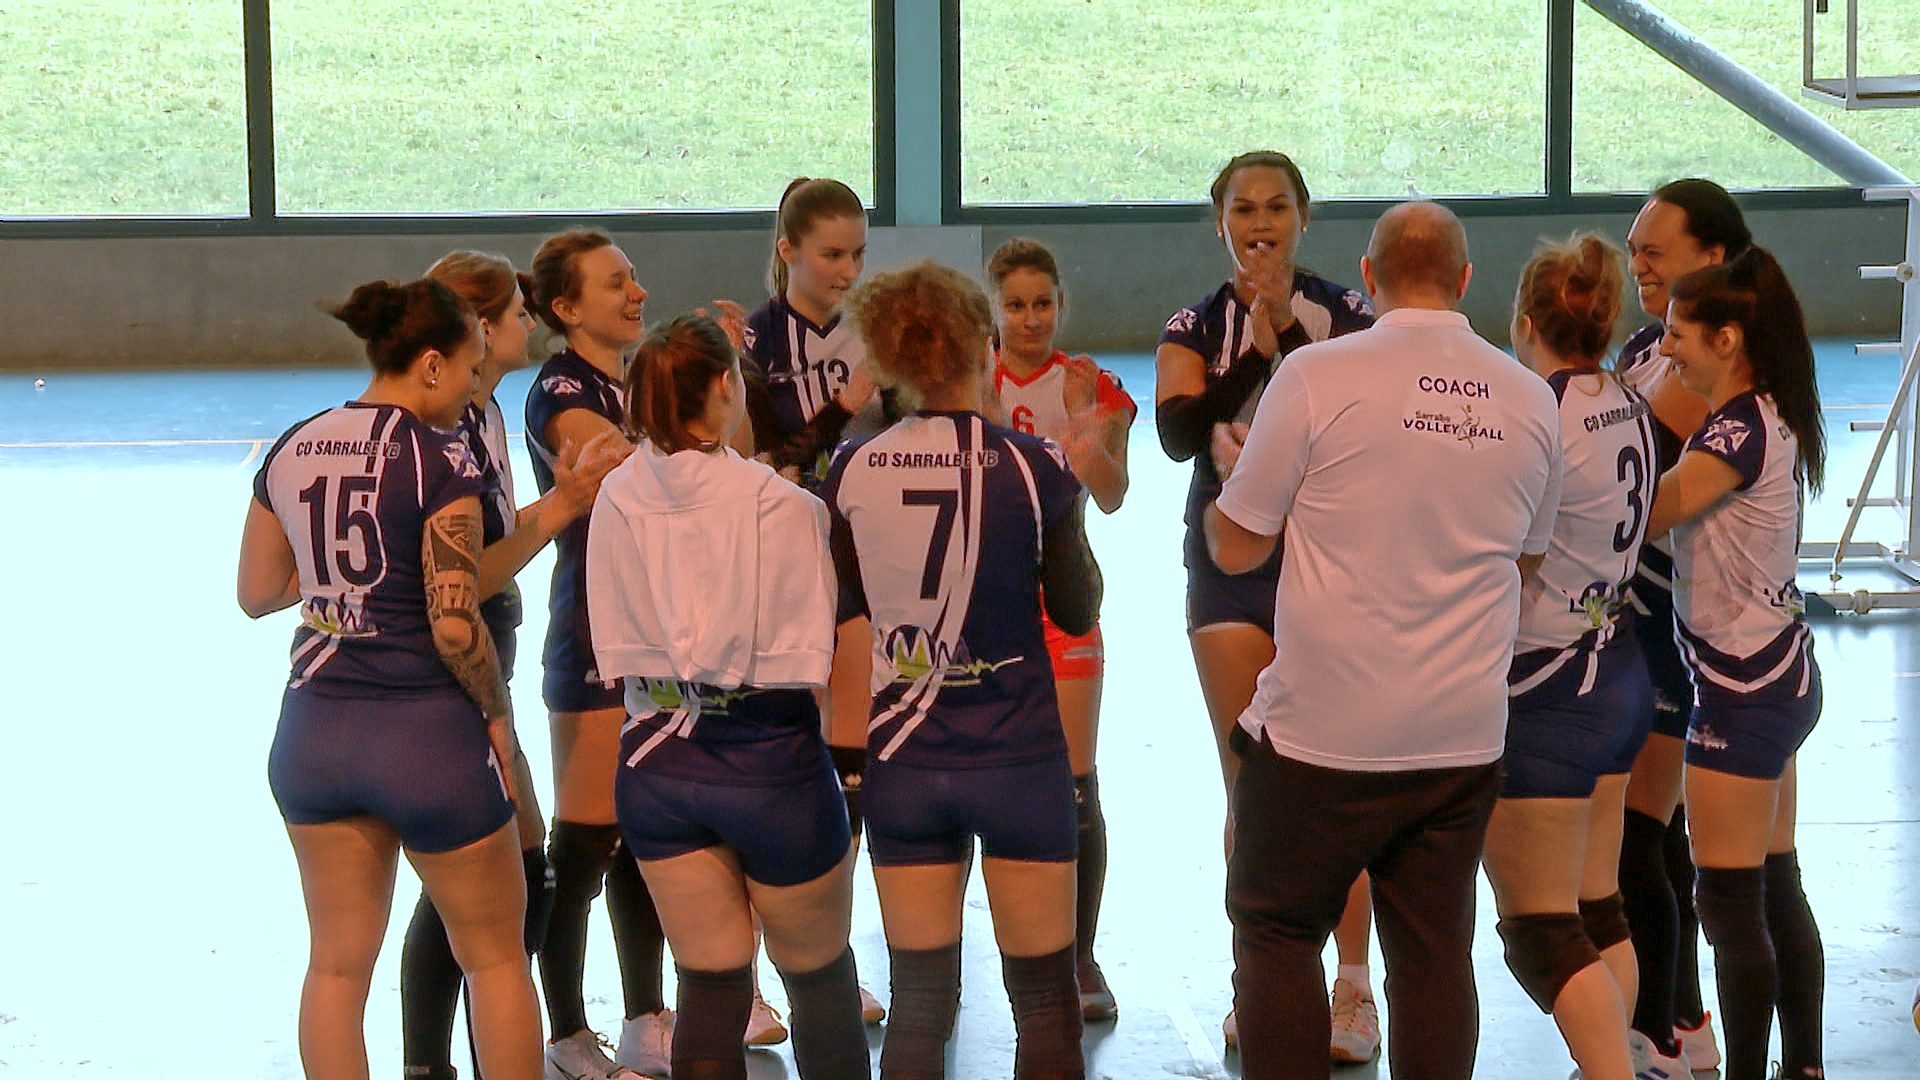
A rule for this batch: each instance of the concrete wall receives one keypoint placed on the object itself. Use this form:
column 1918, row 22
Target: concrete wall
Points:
column 255, row 301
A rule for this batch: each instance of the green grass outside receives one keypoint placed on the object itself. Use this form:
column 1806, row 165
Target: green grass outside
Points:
column 138, row 107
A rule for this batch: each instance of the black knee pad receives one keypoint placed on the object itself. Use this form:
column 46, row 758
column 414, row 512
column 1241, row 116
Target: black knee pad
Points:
column 541, row 885
column 926, row 997
column 581, row 855
column 1606, row 921
column 1733, row 907
column 714, row 1009
column 1544, row 952
column 1046, row 1015
column 851, row 763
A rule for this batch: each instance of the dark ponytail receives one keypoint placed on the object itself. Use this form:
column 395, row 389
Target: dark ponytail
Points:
column 399, row 322
column 1713, row 218
column 1751, row 291
column 669, row 379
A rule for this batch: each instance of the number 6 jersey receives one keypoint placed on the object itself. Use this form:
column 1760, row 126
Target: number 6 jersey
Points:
column 353, row 488
column 943, row 527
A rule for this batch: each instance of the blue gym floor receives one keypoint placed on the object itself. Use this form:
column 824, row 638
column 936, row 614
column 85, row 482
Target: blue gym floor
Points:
column 153, row 923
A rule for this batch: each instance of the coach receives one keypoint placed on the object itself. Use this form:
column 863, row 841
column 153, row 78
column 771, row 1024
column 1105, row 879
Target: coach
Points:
column 1413, row 465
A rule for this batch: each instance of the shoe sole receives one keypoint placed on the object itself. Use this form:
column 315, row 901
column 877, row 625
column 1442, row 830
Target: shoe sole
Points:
column 1345, row 1058
column 1099, row 1012
column 766, row 1039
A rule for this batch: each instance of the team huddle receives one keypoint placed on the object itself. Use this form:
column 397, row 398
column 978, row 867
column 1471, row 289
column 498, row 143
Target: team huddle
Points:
column 822, row 577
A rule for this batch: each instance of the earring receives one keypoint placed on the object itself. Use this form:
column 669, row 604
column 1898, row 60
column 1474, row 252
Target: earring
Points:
column 433, row 384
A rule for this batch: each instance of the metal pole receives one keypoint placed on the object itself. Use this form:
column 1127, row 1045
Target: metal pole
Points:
column 1780, row 114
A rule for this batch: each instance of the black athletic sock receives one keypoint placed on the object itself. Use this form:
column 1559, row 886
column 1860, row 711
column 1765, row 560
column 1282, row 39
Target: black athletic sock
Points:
column 829, row 1038
column 1801, row 962
column 926, row 996
column 1046, row 1016
column 638, row 941
column 1091, row 873
column 1733, row 911
column 429, row 994
column 1648, row 894
column 1688, row 1009
column 714, row 1007
column 541, row 885
column 580, row 855
column 851, row 763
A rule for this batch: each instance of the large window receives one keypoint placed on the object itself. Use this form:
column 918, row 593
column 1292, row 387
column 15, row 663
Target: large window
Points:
column 425, row 106
column 1639, row 121
column 1067, row 101
column 122, row 107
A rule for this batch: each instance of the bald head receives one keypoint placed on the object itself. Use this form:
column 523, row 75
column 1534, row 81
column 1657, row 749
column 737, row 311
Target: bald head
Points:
column 1418, row 255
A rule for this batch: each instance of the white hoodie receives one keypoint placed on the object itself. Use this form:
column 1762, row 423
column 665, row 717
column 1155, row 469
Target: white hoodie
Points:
column 709, row 568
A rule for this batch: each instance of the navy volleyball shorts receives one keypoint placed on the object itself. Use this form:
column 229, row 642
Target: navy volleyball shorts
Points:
column 422, row 764
column 1580, row 714
column 1755, row 734
column 785, row 833
column 919, row 816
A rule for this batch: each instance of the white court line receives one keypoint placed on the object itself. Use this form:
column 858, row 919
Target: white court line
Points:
column 1206, row 1059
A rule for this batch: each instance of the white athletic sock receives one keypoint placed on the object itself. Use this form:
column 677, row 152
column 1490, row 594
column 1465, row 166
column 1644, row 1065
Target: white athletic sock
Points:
column 1358, row 976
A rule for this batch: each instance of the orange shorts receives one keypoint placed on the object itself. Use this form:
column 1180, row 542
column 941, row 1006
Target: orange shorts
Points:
column 1083, row 657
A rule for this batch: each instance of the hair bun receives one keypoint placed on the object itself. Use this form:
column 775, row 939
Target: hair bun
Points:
column 373, row 310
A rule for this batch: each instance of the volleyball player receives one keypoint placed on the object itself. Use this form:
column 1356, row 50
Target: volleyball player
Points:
column 1043, row 391
column 584, row 290
column 807, row 380
column 429, row 975
column 947, row 532
column 1580, row 698
column 1735, row 336
column 1213, row 360
column 1685, row 225
column 396, row 723
column 712, row 597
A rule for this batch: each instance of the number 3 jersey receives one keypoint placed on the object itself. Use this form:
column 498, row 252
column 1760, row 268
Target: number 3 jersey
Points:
column 353, row 487
column 938, row 528
column 1607, row 439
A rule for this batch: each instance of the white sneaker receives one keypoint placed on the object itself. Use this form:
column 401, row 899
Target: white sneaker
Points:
column 583, row 1056
column 1230, row 1030
column 1697, row 1045
column 646, row 1044
column 871, row 1011
column 763, row 1025
column 1650, row 1064
column 1356, row 1025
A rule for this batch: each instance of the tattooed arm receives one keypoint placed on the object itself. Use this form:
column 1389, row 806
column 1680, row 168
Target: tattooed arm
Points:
column 449, row 560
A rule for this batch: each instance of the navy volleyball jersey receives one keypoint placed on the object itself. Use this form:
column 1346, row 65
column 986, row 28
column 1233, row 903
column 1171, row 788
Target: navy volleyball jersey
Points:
column 568, row 382
column 937, row 535
column 353, row 487
column 805, row 365
column 483, row 430
column 1220, row 329
column 743, row 737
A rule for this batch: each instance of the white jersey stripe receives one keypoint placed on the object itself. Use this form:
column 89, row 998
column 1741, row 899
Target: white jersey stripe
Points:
column 1747, row 686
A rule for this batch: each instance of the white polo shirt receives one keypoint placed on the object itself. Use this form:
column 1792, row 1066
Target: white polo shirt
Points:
column 1411, row 464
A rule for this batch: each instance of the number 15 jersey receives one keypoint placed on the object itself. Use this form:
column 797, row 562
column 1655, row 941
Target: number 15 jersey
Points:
column 353, row 487
column 939, row 526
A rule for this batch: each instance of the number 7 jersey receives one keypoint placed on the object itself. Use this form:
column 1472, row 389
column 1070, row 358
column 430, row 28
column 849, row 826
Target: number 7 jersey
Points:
column 353, row 488
column 938, row 530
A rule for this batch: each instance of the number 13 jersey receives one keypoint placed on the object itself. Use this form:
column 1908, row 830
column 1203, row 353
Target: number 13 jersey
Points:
column 938, row 525
column 353, row 488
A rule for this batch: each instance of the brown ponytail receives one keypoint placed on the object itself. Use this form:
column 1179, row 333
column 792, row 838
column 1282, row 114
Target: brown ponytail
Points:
column 670, row 378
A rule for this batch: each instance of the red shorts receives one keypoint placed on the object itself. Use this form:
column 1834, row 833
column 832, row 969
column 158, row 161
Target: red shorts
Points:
column 1083, row 657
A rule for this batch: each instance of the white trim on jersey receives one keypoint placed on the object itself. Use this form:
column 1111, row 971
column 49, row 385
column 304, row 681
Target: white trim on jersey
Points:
column 1748, row 686
column 955, row 602
column 679, row 725
column 1033, row 497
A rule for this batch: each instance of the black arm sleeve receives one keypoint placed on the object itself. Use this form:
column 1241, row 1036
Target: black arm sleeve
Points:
column 1069, row 578
column 760, row 411
column 1185, row 423
column 846, row 567
column 805, row 446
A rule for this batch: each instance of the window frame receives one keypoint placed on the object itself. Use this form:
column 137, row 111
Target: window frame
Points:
column 264, row 219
